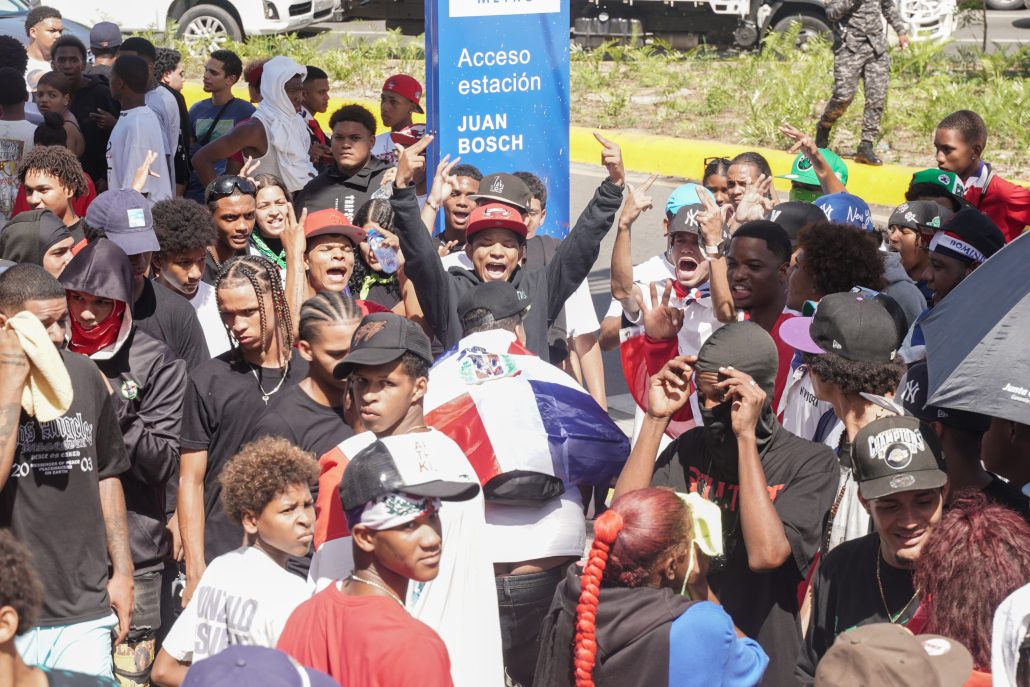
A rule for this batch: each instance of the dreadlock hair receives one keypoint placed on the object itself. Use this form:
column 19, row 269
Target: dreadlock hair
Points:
column 58, row 162
column 261, row 274
column 326, row 307
column 641, row 529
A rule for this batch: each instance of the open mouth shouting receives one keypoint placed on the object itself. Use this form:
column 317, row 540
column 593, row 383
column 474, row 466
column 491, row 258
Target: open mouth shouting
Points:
column 686, row 266
column 495, row 271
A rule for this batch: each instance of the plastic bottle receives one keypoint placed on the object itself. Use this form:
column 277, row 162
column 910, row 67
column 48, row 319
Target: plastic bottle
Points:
column 386, row 256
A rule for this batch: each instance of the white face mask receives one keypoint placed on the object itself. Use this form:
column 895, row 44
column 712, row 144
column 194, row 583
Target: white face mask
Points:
column 706, row 529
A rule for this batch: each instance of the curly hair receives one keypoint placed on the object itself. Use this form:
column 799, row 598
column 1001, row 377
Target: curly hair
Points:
column 167, row 60
column 261, row 471
column 14, row 55
column 58, row 162
column 414, row 366
column 641, row 529
column 972, row 560
column 853, row 377
column 354, row 113
column 182, row 225
column 536, row 186
column 840, row 256
column 20, row 587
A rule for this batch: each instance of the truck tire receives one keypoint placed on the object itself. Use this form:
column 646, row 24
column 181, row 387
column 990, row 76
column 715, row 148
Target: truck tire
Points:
column 207, row 27
column 811, row 25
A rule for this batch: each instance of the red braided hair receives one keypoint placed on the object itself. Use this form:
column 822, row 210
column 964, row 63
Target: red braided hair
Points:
column 641, row 530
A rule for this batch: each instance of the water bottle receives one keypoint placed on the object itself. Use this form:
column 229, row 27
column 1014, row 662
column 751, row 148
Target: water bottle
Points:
column 386, row 256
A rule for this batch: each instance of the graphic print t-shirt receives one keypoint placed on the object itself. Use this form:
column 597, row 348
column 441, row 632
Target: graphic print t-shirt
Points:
column 243, row 598
column 15, row 142
column 51, row 501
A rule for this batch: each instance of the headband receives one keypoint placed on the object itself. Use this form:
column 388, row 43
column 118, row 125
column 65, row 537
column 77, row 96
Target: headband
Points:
column 392, row 510
column 946, row 243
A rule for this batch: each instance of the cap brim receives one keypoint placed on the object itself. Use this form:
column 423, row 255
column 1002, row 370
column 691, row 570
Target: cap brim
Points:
column 443, row 490
column 795, row 333
column 354, row 234
column 899, row 482
column 136, row 242
column 367, row 356
column 885, row 403
column 952, row 667
column 499, row 199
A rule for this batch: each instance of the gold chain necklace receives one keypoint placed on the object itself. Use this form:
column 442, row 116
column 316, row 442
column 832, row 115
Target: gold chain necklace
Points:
column 382, row 587
column 883, row 597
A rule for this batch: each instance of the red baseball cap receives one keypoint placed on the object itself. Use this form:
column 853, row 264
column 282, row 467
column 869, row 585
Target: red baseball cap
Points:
column 407, row 87
column 409, row 135
column 495, row 216
column 332, row 223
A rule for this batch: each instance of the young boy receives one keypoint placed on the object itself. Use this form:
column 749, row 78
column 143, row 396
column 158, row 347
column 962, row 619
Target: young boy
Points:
column 397, row 103
column 245, row 596
column 357, row 629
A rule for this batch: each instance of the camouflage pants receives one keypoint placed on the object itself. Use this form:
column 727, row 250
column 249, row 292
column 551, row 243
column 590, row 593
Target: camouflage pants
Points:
column 850, row 65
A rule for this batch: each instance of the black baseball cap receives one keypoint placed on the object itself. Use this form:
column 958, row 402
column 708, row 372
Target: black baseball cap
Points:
column 910, row 399
column 685, row 219
column 374, row 472
column 793, row 215
column 970, row 236
column 381, row 338
column 896, row 454
column 920, row 215
column 105, row 35
column 500, row 298
column 505, row 188
column 852, row 325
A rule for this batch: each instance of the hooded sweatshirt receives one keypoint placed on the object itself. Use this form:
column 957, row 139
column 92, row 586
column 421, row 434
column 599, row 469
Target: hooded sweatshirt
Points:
column 647, row 636
column 901, row 288
column 546, row 288
column 29, row 235
column 285, row 130
column 336, row 190
column 149, row 384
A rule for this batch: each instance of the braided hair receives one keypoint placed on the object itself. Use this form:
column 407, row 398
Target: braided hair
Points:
column 641, row 530
column 261, row 274
column 326, row 307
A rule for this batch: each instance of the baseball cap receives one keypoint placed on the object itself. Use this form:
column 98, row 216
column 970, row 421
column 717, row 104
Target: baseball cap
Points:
column 802, row 171
column 896, row 454
column 920, row 215
column 125, row 217
column 495, row 216
column 851, row 325
column 686, row 194
column 253, row 665
column 969, row 236
column 500, row 298
column 910, row 399
column 685, row 219
column 330, row 222
column 104, row 35
column 505, row 188
column 793, row 215
column 888, row 655
column 374, row 472
column 409, row 135
column 845, row 208
column 406, row 87
column 381, row 338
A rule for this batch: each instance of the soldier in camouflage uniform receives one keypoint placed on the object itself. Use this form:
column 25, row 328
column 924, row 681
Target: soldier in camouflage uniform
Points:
column 860, row 51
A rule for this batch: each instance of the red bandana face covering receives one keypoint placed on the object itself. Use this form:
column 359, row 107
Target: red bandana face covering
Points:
column 88, row 342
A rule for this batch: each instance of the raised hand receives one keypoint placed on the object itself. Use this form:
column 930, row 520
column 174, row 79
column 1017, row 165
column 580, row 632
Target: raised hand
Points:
column 611, row 157
column 661, row 321
column 638, row 202
column 443, row 181
column 755, row 203
column 249, row 166
column 669, row 389
column 143, row 172
column 801, row 141
column 712, row 220
column 747, row 398
column 293, row 239
column 409, row 160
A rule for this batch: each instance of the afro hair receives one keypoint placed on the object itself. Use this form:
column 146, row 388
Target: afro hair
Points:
column 182, row 225
column 58, row 162
column 839, row 257
column 261, row 471
column 853, row 377
column 20, row 587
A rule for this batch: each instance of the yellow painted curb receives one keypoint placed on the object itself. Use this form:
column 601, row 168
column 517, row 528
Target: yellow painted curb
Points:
column 666, row 155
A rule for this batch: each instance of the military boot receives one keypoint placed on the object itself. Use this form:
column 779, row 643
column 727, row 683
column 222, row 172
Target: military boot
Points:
column 822, row 135
column 866, row 155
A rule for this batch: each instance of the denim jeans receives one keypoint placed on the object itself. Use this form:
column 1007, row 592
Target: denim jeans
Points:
column 523, row 601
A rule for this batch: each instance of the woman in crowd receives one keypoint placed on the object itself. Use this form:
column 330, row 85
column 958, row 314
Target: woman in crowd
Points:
column 714, row 178
column 368, row 280
column 631, row 615
column 54, row 94
column 272, row 201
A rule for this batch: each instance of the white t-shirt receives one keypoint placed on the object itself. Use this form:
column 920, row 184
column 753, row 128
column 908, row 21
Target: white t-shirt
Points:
column 799, row 409
column 384, row 150
column 35, row 69
column 15, row 142
column 166, row 108
column 206, row 305
column 243, row 598
column 461, row 603
column 524, row 533
column 580, row 317
column 136, row 131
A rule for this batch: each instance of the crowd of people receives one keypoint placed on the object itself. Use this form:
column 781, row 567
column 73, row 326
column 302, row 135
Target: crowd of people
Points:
column 261, row 381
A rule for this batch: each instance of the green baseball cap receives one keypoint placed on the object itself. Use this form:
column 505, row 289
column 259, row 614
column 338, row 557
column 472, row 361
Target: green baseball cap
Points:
column 801, row 171
column 948, row 181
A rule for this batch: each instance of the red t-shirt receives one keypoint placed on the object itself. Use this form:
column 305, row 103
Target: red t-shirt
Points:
column 786, row 354
column 365, row 641
column 1007, row 204
column 80, row 203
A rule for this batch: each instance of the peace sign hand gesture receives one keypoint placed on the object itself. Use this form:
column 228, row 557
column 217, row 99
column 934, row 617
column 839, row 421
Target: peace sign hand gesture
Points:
column 661, row 321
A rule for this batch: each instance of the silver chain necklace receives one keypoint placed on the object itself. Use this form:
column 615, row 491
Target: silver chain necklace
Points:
column 266, row 394
column 382, row 587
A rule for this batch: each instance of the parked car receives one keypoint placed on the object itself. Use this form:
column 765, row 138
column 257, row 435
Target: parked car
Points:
column 12, row 22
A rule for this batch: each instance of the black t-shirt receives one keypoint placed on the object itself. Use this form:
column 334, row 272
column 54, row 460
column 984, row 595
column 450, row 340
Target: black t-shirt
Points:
column 1001, row 492
column 846, row 595
column 51, row 501
column 170, row 317
column 222, row 401
column 86, row 101
column 802, row 478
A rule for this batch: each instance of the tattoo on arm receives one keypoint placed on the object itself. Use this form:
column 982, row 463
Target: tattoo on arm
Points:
column 112, row 502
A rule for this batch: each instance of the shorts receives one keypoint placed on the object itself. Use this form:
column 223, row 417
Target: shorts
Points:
column 80, row 647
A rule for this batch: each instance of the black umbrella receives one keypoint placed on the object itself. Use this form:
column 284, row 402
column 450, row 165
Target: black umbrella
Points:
column 978, row 339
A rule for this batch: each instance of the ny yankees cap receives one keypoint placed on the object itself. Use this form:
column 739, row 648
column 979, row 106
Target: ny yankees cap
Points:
column 910, row 399
column 845, row 208
column 896, row 454
column 852, row 325
column 504, row 188
column 381, row 338
column 685, row 194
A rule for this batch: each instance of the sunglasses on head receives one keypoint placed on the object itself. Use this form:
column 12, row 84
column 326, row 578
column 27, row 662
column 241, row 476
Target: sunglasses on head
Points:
column 229, row 184
column 710, row 160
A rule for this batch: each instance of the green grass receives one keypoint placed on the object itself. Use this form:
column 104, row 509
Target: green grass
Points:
column 743, row 98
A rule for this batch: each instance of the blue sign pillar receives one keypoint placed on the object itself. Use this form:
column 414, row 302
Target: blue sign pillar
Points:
column 497, row 88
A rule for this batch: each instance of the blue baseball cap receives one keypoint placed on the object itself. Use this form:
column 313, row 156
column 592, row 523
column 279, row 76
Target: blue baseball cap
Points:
column 687, row 194
column 253, row 665
column 125, row 217
column 845, row 208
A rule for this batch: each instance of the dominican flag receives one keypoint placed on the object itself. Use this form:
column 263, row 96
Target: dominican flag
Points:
column 513, row 413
